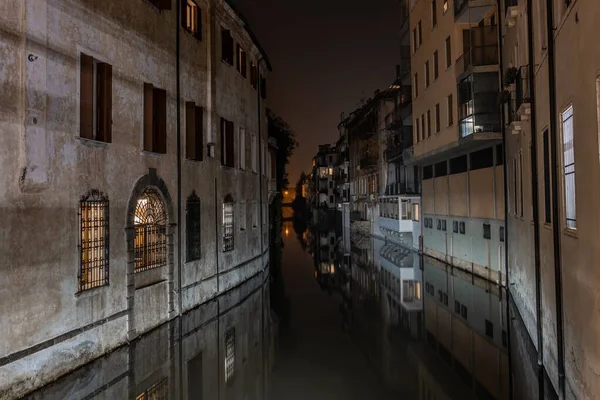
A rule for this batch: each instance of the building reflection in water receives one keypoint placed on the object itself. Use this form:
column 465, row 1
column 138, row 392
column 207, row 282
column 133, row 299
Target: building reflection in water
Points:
column 432, row 332
column 223, row 349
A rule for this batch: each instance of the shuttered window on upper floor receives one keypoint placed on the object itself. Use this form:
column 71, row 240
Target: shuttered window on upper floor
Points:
column 226, row 46
column 194, row 124
column 95, row 101
column 155, row 119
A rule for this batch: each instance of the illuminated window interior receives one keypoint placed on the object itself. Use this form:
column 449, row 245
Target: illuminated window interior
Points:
column 93, row 240
column 191, row 16
column 150, row 222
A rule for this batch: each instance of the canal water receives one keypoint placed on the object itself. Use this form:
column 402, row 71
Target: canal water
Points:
column 340, row 316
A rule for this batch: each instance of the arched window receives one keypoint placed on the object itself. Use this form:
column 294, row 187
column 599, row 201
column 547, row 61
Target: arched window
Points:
column 228, row 233
column 150, row 243
column 193, row 227
column 93, row 240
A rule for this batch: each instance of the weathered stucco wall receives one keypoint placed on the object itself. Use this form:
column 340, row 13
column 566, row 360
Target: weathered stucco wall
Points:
column 47, row 167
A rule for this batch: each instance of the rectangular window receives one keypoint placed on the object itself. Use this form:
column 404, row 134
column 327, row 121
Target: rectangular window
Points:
column 242, row 147
column 414, row 36
column 501, row 233
column 228, row 234
column 255, row 213
column 415, row 212
column 450, row 109
column 93, row 240
column 428, row 123
column 227, row 145
column 436, row 66
column 95, row 102
column 463, row 311
column 433, row 14
column 489, row 329
column 194, row 378
column 161, row 4
column 427, row 73
column 547, row 200
column 193, row 227
column 193, row 131
column 423, row 131
column 155, row 119
column 417, row 124
column 455, row 226
column 229, row 354
column 253, row 153
column 461, row 226
column 439, row 224
column 242, row 62
column 226, row 46
column 242, row 213
column 437, row 118
column 456, row 307
column 448, row 52
column 420, row 31
column 521, row 184
column 191, row 18
column 253, row 75
column 487, row 232
column 263, row 87
column 569, row 168
column 416, row 85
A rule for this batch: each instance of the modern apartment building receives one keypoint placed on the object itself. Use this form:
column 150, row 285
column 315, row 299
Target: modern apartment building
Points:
column 133, row 153
column 551, row 89
column 457, row 132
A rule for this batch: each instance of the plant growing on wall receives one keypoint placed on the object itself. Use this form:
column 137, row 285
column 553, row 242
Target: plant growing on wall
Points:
column 510, row 76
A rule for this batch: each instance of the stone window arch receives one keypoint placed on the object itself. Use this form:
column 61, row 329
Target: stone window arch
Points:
column 150, row 224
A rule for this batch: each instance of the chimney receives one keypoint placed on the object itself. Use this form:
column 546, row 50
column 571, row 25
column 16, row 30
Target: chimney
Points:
column 398, row 72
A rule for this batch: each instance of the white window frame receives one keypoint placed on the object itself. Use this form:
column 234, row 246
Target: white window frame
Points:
column 567, row 119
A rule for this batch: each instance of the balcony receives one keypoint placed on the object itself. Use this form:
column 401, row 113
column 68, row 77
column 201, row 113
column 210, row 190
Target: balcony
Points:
column 398, row 142
column 478, row 110
column 519, row 106
column 472, row 11
column 480, row 51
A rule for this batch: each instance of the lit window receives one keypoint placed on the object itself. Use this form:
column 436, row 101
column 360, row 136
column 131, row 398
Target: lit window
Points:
column 569, row 167
column 330, row 171
column 228, row 224
column 192, row 17
column 150, row 243
column 93, row 240
column 445, row 5
column 229, row 354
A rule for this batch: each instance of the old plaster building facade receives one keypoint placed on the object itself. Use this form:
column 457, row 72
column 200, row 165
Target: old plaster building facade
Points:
column 457, row 133
column 551, row 80
column 135, row 187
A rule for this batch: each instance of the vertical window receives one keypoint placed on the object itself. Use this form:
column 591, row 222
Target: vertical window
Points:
column 450, row 109
column 263, row 87
column 514, row 184
column 489, row 329
column 436, row 67
column 569, row 167
column 547, row 201
column 254, row 214
column 226, row 46
column 461, row 227
column 228, row 233
column 417, row 124
column 427, row 73
column 428, row 123
column 242, row 212
column 487, row 231
column 455, row 226
column 242, row 62
column 433, row 14
column 227, row 145
column 93, row 240
column 229, row 354
column 423, row 125
column 437, row 118
column 191, row 18
column 414, row 36
column 416, row 85
column 155, row 119
column 192, row 225
column 253, row 154
column 521, row 183
column 415, row 212
column 445, row 7
column 253, row 75
column 194, row 378
column 420, row 34
column 150, row 223
column 448, row 52
column 95, row 112
column 463, row 311
column 193, row 131
column 242, row 147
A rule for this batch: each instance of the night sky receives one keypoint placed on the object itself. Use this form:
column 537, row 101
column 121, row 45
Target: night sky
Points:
column 326, row 56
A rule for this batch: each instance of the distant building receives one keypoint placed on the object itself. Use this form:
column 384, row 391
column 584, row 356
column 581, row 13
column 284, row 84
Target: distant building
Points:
column 323, row 181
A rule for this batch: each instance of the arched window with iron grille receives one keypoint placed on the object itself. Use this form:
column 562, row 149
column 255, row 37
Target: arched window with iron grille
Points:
column 93, row 240
column 193, row 227
column 228, row 233
column 150, row 222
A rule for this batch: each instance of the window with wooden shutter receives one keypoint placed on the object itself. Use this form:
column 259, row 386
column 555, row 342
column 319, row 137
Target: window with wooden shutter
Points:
column 242, row 61
column 191, row 18
column 253, row 75
column 95, row 103
column 226, row 46
column 227, row 147
column 155, row 119
column 193, row 131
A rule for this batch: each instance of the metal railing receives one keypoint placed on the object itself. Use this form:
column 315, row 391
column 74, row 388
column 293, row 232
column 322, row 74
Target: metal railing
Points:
column 477, row 56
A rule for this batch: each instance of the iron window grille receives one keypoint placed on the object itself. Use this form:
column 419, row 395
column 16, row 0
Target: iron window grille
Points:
column 158, row 391
column 193, row 227
column 229, row 355
column 150, row 222
column 93, row 240
column 228, row 224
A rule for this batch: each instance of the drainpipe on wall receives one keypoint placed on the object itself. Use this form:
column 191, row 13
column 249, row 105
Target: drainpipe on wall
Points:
column 178, row 84
column 535, row 198
column 260, row 161
column 555, row 200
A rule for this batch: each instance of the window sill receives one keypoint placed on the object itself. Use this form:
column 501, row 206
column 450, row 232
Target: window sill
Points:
column 91, row 292
column 92, row 142
column 151, row 153
column 226, row 62
column 571, row 232
column 193, row 162
column 195, row 35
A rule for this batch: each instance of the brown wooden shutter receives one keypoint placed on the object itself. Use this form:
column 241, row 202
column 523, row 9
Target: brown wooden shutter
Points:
column 229, row 143
column 199, row 133
column 160, row 118
column 148, row 117
column 244, row 65
column 104, row 102
column 223, row 138
column 190, row 130
column 86, row 99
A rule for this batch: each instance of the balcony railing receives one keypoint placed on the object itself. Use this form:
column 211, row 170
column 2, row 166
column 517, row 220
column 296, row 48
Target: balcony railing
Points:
column 476, row 57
